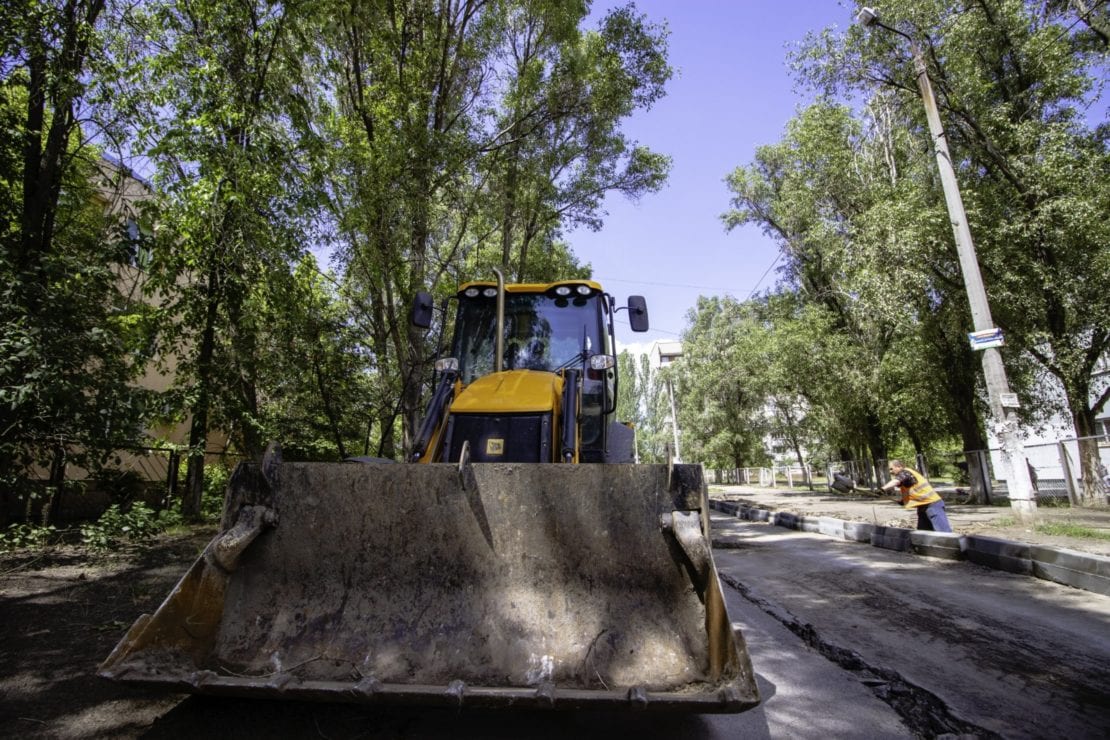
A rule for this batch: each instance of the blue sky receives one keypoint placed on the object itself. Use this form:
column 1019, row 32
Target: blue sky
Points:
column 732, row 93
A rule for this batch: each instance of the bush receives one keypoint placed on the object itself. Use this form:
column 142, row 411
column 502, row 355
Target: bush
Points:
column 19, row 536
column 138, row 524
column 212, row 500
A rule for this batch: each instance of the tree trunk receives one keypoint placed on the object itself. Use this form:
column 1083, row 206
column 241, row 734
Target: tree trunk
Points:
column 31, row 216
column 875, row 445
column 795, row 443
column 971, row 434
column 915, row 440
column 508, row 212
column 55, row 485
column 1093, row 492
column 198, row 430
column 329, row 411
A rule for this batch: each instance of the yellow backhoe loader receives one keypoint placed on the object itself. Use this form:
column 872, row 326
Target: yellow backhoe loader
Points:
column 518, row 557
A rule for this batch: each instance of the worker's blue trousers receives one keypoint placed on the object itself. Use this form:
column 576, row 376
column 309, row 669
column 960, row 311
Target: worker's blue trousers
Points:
column 933, row 518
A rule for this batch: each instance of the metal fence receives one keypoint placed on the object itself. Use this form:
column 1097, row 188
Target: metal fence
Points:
column 1054, row 469
column 148, row 474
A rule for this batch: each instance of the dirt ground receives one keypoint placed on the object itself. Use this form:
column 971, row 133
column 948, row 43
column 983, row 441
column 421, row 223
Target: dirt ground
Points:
column 62, row 611
column 990, row 521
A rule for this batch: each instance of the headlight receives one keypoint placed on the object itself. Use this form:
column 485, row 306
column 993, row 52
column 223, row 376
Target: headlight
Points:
column 490, row 292
column 584, row 290
column 602, row 362
column 471, row 292
column 444, row 364
column 562, row 290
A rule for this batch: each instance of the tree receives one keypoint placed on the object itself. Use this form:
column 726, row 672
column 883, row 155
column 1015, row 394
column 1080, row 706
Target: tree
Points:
column 809, row 193
column 559, row 148
column 1013, row 81
column 225, row 87
column 723, row 404
column 451, row 160
column 630, row 393
column 312, row 366
column 69, row 342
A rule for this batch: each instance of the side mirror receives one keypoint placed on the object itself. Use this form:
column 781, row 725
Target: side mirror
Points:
column 637, row 313
column 422, row 308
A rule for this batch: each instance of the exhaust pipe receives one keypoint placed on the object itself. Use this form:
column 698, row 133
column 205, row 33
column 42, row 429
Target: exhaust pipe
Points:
column 499, row 352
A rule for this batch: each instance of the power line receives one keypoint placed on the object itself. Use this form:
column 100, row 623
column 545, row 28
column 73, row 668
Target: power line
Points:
column 715, row 289
column 1082, row 18
column 661, row 285
column 764, row 275
column 661, row 331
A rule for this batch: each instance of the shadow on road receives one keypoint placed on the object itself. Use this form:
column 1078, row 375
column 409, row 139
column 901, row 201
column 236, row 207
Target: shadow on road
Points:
column 215, row 718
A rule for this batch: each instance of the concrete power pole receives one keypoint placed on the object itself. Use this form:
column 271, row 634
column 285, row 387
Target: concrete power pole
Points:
column 1003, row 403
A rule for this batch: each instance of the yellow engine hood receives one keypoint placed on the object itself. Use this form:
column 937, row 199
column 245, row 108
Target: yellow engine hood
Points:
column 510, row 392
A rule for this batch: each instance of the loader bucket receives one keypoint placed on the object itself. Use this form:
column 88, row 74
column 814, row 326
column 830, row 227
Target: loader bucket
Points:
column 530, row 585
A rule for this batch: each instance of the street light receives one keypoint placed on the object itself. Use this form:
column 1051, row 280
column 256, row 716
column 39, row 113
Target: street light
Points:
column 1003, row 403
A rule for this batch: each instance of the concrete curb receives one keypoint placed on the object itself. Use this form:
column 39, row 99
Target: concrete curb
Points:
column 1080, row 570
column 858, row 531
column 891, row 538
column 1013, row 557
column 945, row 545
column 787, row 520
column 1071, row 568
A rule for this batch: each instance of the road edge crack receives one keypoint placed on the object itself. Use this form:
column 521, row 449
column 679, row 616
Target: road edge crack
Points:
column 922, row 711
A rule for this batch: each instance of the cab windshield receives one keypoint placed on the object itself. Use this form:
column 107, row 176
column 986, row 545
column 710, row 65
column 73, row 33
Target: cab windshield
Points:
column 542, row 332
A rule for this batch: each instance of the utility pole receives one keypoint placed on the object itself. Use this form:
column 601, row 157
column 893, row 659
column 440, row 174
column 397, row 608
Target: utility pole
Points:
column 1003, row 403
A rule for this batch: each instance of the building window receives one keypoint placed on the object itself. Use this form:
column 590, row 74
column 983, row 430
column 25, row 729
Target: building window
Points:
column 1102, row 429
column 135, row 244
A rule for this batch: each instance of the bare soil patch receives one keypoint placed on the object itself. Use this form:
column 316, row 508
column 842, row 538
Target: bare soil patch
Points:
column 62, row 610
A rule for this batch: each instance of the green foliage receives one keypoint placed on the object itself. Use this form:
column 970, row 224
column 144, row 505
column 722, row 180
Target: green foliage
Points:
column 67, row 354
column 720, row 408
column 27, row 536
column 215, row 485
column 852, row 197
column 423, row 144
column 138, row 524
column 631, row 390
column 316, row 376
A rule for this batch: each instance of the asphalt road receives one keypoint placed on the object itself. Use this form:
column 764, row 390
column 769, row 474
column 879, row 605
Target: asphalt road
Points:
column 951, row 647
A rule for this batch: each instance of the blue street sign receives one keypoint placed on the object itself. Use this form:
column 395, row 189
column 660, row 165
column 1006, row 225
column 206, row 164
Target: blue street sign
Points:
column 986, row 338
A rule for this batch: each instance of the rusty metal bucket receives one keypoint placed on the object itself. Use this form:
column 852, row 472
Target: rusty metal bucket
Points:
column 566, row 586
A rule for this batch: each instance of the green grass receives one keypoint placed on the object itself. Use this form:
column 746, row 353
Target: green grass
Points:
column 1059, row 529
column 1066, row 529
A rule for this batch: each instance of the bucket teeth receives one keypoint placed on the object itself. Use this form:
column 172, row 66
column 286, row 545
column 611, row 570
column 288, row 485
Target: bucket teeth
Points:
column 367, row 687
column 545, row 694
column 638, row 697
column 282, row 681
column 455, row 691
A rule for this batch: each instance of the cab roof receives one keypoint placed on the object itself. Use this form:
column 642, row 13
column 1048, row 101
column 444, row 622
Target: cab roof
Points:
column 529, row 287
